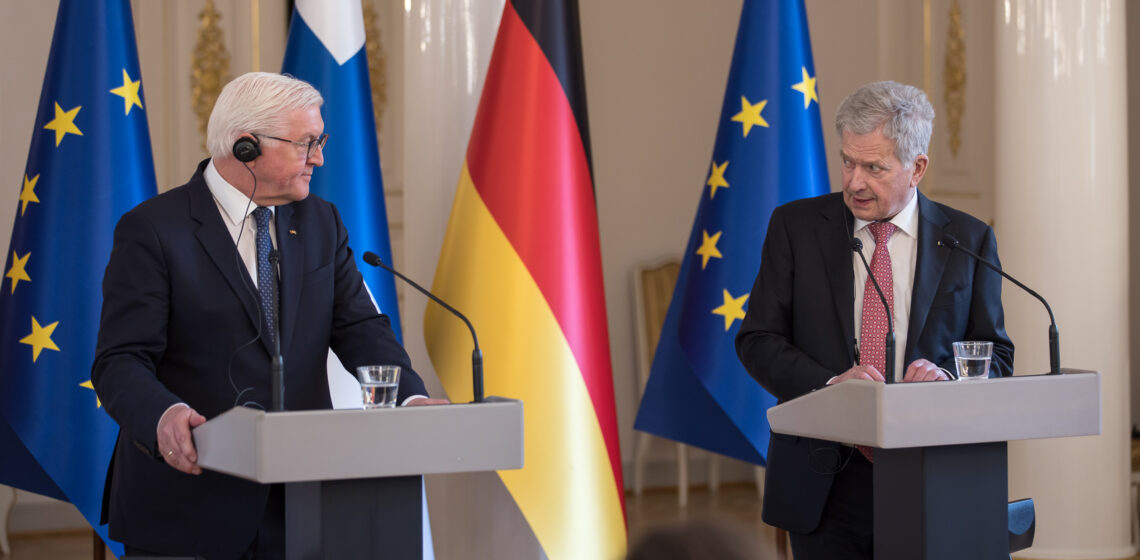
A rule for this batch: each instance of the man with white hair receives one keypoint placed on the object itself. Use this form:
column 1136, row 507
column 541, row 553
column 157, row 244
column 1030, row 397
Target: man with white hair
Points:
column 815, row 319
column 188, row 326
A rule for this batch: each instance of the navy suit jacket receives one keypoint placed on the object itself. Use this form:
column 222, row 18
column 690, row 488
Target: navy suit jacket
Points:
column 800, row 326
column 181, row 323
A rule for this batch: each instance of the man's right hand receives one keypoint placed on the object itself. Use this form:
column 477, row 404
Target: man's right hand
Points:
column 858, row 372
column 174, row 439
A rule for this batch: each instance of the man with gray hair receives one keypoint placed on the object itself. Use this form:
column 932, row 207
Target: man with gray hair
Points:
column 815, row 319
column 189, row 323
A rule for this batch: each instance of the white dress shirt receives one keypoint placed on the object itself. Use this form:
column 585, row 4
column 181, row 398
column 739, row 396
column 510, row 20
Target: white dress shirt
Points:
column 903, row 246
column 237, row 212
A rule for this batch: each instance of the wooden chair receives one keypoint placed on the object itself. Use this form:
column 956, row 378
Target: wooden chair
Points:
column 7, row 498
column 652, row 292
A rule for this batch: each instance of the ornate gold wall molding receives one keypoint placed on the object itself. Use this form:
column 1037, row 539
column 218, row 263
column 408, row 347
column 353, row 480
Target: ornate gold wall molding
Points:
column 377, row 64
column 954, row 76
column 209, row 66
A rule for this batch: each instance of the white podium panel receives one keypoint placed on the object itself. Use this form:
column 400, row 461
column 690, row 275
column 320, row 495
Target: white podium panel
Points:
column 298, row 446
column 946, row 412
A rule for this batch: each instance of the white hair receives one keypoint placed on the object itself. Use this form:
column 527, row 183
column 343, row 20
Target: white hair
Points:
column 902, row 111
column 256, row 103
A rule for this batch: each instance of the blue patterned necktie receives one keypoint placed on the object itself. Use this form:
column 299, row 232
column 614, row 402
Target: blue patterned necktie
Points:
column 266, row 276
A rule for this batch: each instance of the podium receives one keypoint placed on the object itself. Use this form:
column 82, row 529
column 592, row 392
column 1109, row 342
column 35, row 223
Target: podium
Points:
column 940, row 476
column 353, row 477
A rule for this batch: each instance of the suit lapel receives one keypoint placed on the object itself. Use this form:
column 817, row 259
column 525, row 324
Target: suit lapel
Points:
column 217, row 242
column 292, row 253
column 930, row 262
column 835, row 245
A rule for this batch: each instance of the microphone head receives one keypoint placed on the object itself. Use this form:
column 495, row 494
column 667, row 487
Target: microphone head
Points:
column 856, row 244
column 948, row 241
column 372, row 259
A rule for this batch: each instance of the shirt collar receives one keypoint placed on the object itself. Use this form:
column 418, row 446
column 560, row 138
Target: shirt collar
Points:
column 235, row 205
column 906, row 220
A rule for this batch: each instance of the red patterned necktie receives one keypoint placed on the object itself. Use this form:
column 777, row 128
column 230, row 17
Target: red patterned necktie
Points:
column 873, row 331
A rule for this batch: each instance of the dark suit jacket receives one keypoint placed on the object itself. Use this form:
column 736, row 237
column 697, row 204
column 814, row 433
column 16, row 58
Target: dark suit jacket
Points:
column 800, row 326
column 181, row 323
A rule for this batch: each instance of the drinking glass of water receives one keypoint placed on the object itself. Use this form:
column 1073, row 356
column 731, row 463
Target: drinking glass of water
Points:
column 973, row 359
column 379, row 385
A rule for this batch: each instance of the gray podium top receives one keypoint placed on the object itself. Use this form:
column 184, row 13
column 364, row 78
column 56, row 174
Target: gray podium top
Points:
column 946, row 412
column 342, row 444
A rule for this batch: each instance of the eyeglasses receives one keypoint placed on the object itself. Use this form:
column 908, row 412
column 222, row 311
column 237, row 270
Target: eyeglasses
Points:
column 310, row 146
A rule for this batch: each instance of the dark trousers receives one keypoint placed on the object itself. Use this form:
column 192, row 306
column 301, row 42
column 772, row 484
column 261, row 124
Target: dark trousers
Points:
column 268, row 544
column 846, row 529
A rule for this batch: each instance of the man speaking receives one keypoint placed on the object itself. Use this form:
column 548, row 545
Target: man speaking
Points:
column 202, row 281
column 815, row 318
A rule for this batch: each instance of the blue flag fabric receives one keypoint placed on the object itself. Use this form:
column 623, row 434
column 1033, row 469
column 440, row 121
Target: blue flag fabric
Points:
column 769, row 150
column 89, row 162
column 326, row 49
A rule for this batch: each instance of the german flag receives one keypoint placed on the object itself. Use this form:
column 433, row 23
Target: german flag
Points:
column 522, row 258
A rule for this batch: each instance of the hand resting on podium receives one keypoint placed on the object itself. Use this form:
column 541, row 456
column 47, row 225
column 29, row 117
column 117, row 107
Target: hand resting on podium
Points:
column 174, row 439
column 177, row 446
column 918, row 370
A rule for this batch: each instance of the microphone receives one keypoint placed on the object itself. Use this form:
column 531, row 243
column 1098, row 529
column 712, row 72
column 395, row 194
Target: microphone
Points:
column 951, row 243
column 476, row 354
column 277, row 366
column 889, row 346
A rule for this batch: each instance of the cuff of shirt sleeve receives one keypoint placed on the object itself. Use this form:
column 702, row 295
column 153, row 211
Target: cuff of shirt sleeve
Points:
column 151, row 447
column 167, row 411
column 413, row 398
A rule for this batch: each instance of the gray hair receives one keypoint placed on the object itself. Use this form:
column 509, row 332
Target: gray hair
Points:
column 256, row 103
column 902, row 111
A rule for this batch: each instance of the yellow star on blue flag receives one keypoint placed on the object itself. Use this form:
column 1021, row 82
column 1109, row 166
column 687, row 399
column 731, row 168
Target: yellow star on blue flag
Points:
column 63, row 123
column 40, row 338
column 708, row 249
column 732, row 309
column 749, row 115
column 28, row 193
column 129, row 91
column 19, row 270
column 807, row 87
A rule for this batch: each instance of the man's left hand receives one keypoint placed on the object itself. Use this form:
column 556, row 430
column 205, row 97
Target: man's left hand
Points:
column 923, row 370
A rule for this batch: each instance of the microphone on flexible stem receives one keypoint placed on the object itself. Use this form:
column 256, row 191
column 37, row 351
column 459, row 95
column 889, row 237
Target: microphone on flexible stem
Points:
column 950, row 242
column 889, row 346
column 277, row 366
column 476, row 354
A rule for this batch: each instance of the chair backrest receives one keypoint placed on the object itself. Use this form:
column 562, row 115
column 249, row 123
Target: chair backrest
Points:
column 652, row 291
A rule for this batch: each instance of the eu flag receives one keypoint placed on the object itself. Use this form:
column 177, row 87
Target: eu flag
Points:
column 89, row 162
column 326, row 49
column 769, row 151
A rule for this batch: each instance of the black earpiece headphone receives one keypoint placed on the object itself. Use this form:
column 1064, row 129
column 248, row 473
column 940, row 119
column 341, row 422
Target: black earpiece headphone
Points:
column 246, row 149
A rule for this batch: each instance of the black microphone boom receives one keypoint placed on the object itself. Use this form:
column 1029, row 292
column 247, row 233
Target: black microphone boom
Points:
column 476, row 354
column 951, row 243
column 889, row 346
column 277, row 368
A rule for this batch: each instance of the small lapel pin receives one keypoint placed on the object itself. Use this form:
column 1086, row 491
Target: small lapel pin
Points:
column 292, row 232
